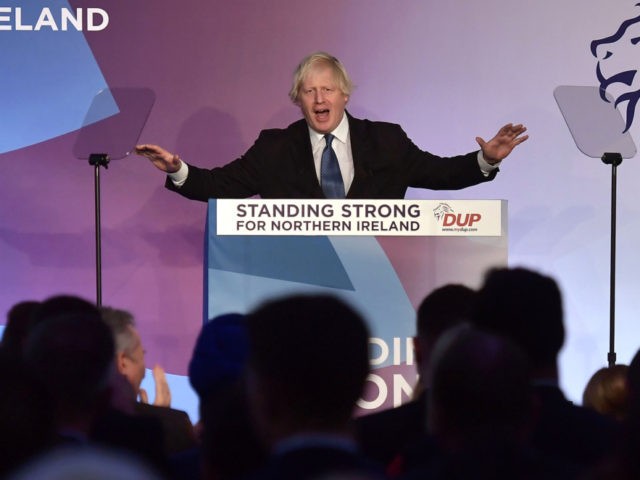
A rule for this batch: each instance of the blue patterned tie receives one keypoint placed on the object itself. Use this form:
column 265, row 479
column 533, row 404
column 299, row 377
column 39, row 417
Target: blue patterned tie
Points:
column 330, row 177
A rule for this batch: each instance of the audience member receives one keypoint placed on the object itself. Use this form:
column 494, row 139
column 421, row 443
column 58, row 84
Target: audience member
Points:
column 17, row 327
column 86, row 463
column 229, row 445
column 26, row 414
column 384, row 434
column 623, row 462
column 219, row 355
column 607, row 392
column 129, row 360
column 526, row 306
column 130, row 356
column 61, row 305
column 72, row 354
column 308, row 361
column 480, row 411
column 71, row 351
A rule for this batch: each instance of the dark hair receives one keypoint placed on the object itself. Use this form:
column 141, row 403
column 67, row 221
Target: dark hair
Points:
column 316, row 348
column 219, row 354
column 480, row 383
column 19, row 321
column 72, row 353
column 443, row 308
column 525, row 306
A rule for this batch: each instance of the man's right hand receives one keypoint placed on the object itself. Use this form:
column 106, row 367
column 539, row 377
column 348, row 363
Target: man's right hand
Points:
column 161, row 158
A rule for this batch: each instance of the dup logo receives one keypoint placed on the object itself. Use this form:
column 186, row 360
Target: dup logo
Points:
column 447, row 217
column 617, row 69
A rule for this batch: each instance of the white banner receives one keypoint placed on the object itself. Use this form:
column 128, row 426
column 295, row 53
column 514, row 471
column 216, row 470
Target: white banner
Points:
column 360, row 217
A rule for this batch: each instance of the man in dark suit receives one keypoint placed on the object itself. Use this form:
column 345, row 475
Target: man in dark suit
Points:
column 366, row 159
column 383, row 435
column 177, row 429
column 308, row 361
column 526, row 307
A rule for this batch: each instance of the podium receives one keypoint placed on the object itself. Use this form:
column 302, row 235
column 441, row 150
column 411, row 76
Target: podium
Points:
column 381, row 256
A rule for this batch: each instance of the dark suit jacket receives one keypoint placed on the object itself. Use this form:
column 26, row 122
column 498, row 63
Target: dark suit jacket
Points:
column 569, row 432
column 139, row 436
column 312, row 463
column 280, row 165
column 383, row 435
column 177, row 430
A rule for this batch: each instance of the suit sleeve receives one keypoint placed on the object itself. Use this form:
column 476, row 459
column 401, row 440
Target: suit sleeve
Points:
column 426, row 170
column 240, row 178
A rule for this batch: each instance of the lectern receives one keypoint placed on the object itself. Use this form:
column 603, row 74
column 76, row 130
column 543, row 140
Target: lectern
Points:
column 381, row 256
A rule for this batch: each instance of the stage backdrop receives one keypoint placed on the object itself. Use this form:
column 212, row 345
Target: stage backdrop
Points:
column 220, row 71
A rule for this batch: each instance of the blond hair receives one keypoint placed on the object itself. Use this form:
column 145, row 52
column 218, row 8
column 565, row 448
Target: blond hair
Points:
column 320, row 58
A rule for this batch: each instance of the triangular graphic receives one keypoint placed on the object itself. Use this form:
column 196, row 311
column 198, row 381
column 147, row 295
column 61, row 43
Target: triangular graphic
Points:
column 309, row 260
column 51, row 78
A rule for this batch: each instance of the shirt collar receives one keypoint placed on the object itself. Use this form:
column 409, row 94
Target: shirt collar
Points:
column 341, row 132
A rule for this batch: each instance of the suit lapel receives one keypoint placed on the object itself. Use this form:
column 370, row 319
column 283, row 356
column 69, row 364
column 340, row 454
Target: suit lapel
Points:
column 302, row 158
column 361, row 150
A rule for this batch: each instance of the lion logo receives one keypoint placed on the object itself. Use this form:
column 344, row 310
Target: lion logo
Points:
column 617, row 67
column 440, row 211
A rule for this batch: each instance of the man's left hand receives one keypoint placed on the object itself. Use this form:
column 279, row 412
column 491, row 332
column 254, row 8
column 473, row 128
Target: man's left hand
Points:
column 507, row 138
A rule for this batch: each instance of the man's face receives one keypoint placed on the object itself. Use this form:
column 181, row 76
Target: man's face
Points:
column 321, row 100
column 131, row 364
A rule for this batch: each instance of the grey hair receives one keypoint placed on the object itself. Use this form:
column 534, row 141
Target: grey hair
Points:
column 120, row 322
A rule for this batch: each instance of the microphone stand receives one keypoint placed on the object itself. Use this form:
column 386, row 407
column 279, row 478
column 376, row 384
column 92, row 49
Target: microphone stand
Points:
column 98, row 160
column 613, row 159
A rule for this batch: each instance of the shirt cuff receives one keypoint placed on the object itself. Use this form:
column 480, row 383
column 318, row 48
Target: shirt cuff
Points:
column 485, row 167
column 178, row 178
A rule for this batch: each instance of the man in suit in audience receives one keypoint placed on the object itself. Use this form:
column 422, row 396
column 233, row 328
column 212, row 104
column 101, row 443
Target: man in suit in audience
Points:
column 129, row 360
column 526, row 306
column 229, row 447
column 364, row 159
column 384, row 434
column 480, row 413
column 308, row 361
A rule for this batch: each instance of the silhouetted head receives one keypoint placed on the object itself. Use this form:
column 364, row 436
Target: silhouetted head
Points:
column 219, row 355
column 72, row 354
column 480, row 387
column 525, row 306
column 607, row 392
column 308, row 361
column 443, row 308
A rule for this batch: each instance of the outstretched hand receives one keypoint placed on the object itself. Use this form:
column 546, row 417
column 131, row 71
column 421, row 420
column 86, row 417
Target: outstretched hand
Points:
column 507, row 138
column 161, row 158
